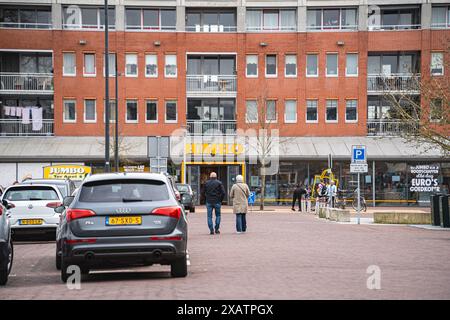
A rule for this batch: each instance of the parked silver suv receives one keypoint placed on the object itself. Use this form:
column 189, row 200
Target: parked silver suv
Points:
column 6, row 245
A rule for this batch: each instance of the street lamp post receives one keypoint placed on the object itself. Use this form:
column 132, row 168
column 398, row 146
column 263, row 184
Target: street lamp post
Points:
column 116, row 133
column 107, row 110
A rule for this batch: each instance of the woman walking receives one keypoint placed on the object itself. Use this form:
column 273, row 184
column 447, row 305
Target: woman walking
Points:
column 239, row 195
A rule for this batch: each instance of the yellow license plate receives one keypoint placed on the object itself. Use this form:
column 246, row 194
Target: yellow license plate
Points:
column 123, row 221
column 31, row 221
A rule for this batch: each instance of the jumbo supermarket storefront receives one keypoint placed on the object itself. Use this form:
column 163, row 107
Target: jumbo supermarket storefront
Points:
column 399, row 174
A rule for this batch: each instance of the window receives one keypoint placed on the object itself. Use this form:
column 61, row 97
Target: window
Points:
column 112, row 110
column 89, row 65
column 290, row 111
column 331, row 111
column 331, row 19
column 332, row 65
column 440, row 17
column 271, row 65
column 271, row 110
column 69, row 111
column 150, row 19
column 131, row 67
column 311, row 111
column 132, row 111
column 252, row 66
column 437, row 63
column 87, row 17
column 351, row 111
column 251, row 115
column 436, row 110
column 111, row 65
column 351, row 65
column 90, row 114
column 290, row 69
column 25, row 17
column 312, row 66
column 151, row 111
column 151, row 65
column 170, row 69
column 69, row 64
column 395, row 18
column 171, row 111
column 210, row 20
column 271, row 20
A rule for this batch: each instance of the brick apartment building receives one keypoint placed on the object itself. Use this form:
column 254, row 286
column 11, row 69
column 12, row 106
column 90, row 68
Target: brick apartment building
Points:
column 319, row 66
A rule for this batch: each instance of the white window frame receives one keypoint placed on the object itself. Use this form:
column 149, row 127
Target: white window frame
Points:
column 317, row 69
column 276, row 111
column 357, row 116
column 317, row 111
column 126, row 111
column 84, row 65
column 84, row 111
column 157, row 70
column 357, row 65
column 247, row 120
column 337, row 65
column 131, row 75
column 285, row 113
column 104, row 65
column 276, row 66
column 75, row 67
column 337, row 111
column 165, row 67
column 442, row 63
column 296, row 66
column 156, row 102
column 165, row 111
column 64, row 111
column 257, row 66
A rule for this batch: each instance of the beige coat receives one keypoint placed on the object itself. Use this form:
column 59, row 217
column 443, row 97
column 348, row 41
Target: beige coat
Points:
column 239, row 193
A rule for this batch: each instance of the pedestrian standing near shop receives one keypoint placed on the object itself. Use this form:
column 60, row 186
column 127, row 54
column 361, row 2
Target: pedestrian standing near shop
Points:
column 239, row 194
column 308, row 199
column 332, row 194
column 297, row 195
column 214, row 193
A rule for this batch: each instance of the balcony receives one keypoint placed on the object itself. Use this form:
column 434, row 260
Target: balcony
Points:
column 15, row 128
column 390, row 128
column 210, row 127
column 394, row 83
column 24, row 25
column 26, row 83
column 218, row 85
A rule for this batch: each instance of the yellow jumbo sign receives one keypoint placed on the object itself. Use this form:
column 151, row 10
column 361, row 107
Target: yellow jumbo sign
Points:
column 66, row 171
column 214, row 148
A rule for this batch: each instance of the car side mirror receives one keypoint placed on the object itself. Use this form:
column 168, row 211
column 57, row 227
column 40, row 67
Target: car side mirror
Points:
column 59, row 209
column 67, row 201
column 7, row 204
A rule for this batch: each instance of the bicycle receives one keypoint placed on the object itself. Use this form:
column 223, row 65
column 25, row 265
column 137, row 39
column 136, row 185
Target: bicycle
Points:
column 362, row 201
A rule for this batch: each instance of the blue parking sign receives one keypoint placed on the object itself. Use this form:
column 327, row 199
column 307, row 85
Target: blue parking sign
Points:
column 358, row 154
column 251, row 198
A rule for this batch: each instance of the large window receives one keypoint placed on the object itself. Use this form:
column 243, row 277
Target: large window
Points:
column 271, row 110
column 151, row 65
column 89, row 65
column 386, row 64
column 290, row 68
column 331, row 110
column 69, row 111
column 150, row 19
column 211, row 109
column 170, row 68
column 210, row 20
column 251, row 69
column 171, row 111
column 440, row 17
column 271, row 65
column 332, row 19
column 90, row 113
column 312, row 114
column 132, row 111
column 312, row 65
column 396, row 18
column 351, row 110
column 332, row 65
column 131, row 65
column 290, row 111
column 25, row 17
column 151, row 111
column 271, row 20
column 437, row 63
column 75, row 17
column 351, row 65
column 251, row 115
column 69, row 64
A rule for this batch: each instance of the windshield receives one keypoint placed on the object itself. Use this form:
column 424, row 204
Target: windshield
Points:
column 183, row 188
column 31, row 193
column 124, row 191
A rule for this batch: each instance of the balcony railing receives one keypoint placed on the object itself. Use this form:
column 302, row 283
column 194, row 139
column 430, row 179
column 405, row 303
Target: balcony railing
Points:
column 210, row 84
column 378, row 83
column 382, row 127
column 25, row 25
column 26, row 83
column 292, row 28
column 210, row 127
column 16, row 128
column 394, row 27
column 211, row 28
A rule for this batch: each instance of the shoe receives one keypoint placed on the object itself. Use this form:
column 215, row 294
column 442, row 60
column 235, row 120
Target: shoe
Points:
column 292, row 209
column 238, row 232
column 217, row 232
column 211, row 232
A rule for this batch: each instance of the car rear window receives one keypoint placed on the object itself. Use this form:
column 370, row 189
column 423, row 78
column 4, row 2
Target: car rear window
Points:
column 31, row 193
column 124, row 191
column 182, row 188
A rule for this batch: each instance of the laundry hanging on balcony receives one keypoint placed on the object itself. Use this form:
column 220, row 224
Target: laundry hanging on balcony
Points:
column 26, row 115
column 36, row 114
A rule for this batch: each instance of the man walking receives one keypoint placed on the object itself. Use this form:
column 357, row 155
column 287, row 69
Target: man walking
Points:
column 214, row 193
column 298, row 192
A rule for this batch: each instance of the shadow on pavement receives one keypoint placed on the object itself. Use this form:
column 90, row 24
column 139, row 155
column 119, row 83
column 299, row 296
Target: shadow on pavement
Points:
column 103, row 276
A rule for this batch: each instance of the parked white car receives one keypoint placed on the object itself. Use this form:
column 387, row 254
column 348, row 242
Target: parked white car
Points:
column 32, row 208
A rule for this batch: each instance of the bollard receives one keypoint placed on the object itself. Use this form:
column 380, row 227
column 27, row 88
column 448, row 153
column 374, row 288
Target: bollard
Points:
column 444, row 211
column 435, row 216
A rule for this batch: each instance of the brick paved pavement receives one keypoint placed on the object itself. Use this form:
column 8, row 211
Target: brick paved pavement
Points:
column 283, row 255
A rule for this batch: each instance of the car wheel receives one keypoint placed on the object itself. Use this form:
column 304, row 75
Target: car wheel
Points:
column 178, row 268
column 6, row 269
column 192, row 209
column 58, row 261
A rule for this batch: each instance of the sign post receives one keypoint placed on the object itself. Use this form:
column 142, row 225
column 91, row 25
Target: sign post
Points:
column 251, row 200
column 359, row 165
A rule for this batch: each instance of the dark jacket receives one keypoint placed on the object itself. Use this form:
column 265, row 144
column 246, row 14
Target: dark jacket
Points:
column 214, row 191
column 299, row 191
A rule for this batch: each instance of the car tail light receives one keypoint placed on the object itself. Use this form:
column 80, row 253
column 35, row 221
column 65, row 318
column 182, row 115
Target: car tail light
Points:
column 173, row 238
column 74, row 214
column 174, row 212
column 77, row 241
column 1, row 211
column 54, row 205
